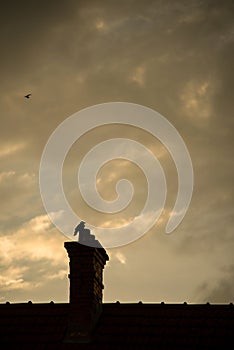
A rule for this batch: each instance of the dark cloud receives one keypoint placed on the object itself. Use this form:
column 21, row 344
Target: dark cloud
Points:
column 25, row 27
column 221, row 290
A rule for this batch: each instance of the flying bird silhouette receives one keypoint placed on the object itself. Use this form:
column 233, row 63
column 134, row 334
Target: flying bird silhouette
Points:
column 27, row 96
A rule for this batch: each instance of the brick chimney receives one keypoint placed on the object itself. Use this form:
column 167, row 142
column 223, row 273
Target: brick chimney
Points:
column 86, row 276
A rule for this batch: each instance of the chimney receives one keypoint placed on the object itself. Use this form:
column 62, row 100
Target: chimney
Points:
column 86, row 276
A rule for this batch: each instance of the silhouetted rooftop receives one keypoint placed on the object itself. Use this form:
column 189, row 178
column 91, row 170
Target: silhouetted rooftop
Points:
column 86, row 323
column 135, row 326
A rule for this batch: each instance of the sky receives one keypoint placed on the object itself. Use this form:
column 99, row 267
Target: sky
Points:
column 175, row 57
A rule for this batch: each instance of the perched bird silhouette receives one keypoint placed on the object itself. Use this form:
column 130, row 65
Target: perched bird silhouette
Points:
column 27, row 96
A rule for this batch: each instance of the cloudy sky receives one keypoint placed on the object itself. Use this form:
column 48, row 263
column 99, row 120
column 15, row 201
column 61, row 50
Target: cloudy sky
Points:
column 172, row 56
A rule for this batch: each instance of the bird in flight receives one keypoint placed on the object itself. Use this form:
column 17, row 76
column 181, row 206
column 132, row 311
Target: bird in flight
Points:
column 27, row 96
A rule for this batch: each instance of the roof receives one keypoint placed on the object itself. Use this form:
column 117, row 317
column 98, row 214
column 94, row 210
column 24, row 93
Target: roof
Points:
column 136, row 326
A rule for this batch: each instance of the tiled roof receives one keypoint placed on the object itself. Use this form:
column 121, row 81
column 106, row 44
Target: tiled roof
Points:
column 168, row 326
column 132, row 326
column 36, row 324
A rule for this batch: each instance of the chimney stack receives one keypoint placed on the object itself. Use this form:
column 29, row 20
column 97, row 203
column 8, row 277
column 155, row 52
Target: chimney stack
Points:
column 86, row 276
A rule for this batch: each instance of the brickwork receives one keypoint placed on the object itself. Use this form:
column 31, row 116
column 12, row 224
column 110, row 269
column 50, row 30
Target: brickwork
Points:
column 86, row 287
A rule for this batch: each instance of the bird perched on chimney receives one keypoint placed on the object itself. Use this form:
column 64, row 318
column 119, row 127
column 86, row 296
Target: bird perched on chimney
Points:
column 27, row 96
column 84, row 234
